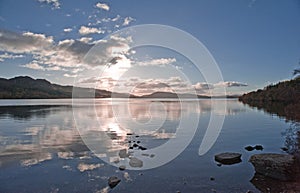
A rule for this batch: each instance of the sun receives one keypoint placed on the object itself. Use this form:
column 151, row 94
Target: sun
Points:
column 116, row 70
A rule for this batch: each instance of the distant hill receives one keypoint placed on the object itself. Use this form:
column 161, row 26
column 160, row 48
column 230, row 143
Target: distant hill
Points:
column 282, row 98
column 172, row 95
column 24, row 87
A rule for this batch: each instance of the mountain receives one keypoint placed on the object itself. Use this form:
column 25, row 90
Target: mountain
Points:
column 172, row 95
column 24, row 87
column 282, row 99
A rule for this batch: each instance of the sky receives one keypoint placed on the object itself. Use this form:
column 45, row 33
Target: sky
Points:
column 253, row 42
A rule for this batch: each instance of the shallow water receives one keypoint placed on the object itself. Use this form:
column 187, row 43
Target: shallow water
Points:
column 48, row 146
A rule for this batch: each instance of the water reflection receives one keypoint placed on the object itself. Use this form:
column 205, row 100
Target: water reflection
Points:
column 52, row 132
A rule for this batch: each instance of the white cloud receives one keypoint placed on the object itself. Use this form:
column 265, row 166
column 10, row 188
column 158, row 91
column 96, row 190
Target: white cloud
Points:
column 116, row 18
column 36, row 66
column 108, row 50
column 127, row 21
column 230, row 84
column 10, row 56
column 158, row 62
column 24, row 43
column 33, row 65
column 70, row 75
column 90, row 30
column 103, row 6
column 54, row 68
column 136, row 85
column 54, row 3
column 67, row 54
column 67, row 30
column 202, row 86
column 85, row 39
column 139, row 86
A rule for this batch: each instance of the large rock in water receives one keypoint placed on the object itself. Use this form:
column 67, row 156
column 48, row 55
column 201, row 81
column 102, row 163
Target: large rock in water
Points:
column 276, row 166
column 228, row 158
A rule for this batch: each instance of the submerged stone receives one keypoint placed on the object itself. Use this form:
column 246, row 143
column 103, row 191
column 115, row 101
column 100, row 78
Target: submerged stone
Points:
column 135, row 162
column 122, row 167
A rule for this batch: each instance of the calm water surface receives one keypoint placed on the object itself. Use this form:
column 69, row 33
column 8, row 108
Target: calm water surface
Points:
column 42, row 151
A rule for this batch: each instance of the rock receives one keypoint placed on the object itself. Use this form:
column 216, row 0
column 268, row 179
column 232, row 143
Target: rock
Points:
column 135, row 145
column 284, row 149
column 277, row 166
column 267, row 184
column 258, row 147
column 228, row 158
column 135, row 162
column 249, row 148
column 142, row 148
column 122, row 167
column 123, row 153
column 113, row 181
column 212, row 178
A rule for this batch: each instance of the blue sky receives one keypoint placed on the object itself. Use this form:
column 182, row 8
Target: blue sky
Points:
column 255, row 42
